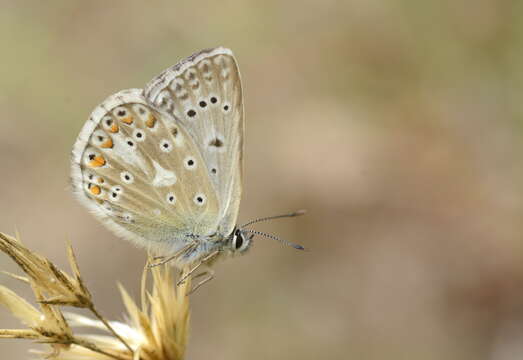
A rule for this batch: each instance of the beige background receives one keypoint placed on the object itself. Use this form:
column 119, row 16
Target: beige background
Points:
column 397, row 124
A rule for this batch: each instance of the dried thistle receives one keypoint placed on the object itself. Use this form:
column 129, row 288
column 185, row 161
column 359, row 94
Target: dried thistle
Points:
column 157, row 330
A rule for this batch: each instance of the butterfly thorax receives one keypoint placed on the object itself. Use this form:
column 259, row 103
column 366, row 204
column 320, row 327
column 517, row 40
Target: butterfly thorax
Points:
column 209, row 249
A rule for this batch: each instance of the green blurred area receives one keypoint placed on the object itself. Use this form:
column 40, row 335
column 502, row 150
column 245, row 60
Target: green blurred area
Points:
column 397, row 124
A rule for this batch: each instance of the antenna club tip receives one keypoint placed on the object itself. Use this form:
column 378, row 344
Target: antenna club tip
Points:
column 300, row 212
column 298, row 247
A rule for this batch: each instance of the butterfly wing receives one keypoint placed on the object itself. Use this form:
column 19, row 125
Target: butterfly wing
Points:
column 141, row 173
column 204, row 94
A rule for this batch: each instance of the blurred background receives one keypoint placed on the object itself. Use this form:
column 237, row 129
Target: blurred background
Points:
column 397, row 124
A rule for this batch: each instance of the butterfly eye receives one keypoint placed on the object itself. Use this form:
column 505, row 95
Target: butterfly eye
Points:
column 238, row 241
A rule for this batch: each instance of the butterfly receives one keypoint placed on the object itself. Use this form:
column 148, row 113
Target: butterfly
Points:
column 162, row 166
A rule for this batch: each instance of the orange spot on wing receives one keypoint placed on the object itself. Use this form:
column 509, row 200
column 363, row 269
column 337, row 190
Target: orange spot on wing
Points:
column 95, row 190
column 128, row 120
column 151, row 121
column 97, row 162
column 108, row 144
column 114, row 128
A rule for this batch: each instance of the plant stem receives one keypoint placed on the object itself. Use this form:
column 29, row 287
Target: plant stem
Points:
column 109, row 327
column 88, row 345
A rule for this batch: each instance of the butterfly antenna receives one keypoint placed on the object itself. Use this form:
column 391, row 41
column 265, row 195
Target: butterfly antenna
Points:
column 285, row 242
column 293, row 214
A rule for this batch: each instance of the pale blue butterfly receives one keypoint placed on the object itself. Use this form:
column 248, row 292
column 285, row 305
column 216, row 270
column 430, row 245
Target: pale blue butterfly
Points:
column 162, row 166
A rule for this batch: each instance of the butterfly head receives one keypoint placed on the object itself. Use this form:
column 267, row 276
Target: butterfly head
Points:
column 239, row 241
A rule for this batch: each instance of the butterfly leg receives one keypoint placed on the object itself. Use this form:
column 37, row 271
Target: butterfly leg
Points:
column 208, row 257
column 184, row 277
column 209, row 272
column 167, row 259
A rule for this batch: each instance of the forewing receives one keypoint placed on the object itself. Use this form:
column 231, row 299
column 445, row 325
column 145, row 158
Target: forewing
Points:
column 140, row 172
column 204, row 94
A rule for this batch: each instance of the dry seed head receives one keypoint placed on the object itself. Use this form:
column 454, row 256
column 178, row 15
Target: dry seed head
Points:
column 158, row 330
column 47, row 324
column 55, row 286
column 20, row 308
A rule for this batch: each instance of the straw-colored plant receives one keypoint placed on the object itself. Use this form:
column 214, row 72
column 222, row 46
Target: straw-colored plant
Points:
column 156, row 330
